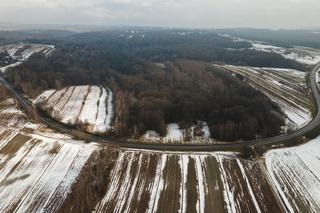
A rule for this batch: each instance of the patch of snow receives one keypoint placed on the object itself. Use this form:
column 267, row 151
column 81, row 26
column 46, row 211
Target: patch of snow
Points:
column 174, row 133
column 206, row 130
column 151, row 136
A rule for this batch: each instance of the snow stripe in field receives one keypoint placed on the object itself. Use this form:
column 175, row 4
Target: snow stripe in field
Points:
column 133, row 187
column 100, row 124
column 244, row 175
column 109, row 110
column 227, row 192
column 89, row 111
column 200, row 185
column 114, row 183
column 60, row 193
column 158, row 185
column 71, row 110
column 57, row 109
column 56, row 97
column 125, row 184
column 184, row 162
column 296, row 174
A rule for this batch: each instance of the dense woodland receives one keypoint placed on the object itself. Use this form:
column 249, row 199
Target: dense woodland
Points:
column 161, row 77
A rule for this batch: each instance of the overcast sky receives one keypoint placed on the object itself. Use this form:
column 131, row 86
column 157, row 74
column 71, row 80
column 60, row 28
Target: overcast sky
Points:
column 175, row 13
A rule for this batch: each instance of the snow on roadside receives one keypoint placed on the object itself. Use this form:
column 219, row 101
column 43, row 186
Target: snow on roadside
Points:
column 198, row 133
column 296, row 174
column 174, row 133
column 206, row 130
column 151, row 136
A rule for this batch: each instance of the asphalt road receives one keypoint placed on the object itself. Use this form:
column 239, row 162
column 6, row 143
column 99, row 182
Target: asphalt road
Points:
column 281, row 139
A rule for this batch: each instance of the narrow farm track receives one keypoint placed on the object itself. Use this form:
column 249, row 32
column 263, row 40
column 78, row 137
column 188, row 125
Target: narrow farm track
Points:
column 281, row 139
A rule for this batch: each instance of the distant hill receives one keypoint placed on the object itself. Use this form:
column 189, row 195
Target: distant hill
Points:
column 309, row 38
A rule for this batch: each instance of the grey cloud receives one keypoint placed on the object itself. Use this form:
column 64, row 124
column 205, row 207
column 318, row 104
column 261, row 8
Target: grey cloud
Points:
column 185, row 13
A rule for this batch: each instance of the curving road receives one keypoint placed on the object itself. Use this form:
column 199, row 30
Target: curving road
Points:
column 281, row 139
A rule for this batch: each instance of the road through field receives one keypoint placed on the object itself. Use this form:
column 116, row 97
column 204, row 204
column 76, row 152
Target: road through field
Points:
column 281, row 139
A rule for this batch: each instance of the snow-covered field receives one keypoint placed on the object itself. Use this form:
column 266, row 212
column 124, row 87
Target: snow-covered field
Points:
column 285, row 87
column 37, row 172
column 198, row 133
column 300, row 54
column 22, row 52
column 296, row 175
column 181, row 182
column 89, row 107
column 11, row 116
column 304, row 55
column 37, row 167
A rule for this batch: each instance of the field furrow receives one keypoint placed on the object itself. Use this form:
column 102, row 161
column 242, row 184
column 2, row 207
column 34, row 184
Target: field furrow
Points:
column 296, row 174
